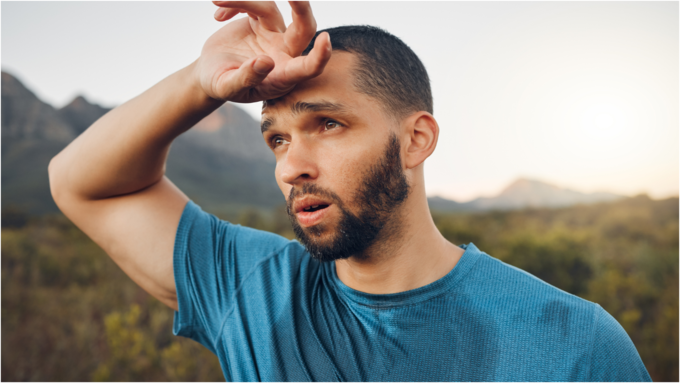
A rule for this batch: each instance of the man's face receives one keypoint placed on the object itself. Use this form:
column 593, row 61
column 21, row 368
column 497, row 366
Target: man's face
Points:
column 338, row 163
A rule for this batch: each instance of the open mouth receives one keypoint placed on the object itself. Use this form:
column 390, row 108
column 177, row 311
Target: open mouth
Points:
column 311, row 210
column 314, row 208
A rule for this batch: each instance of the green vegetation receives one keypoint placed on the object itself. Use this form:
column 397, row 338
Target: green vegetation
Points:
column 69, row 313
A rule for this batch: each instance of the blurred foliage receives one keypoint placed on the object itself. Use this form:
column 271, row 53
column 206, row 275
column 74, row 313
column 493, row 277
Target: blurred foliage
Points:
column 14, row 217
column 70, row 314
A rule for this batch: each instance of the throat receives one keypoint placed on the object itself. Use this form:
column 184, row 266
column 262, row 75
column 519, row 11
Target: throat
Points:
column 408, row 259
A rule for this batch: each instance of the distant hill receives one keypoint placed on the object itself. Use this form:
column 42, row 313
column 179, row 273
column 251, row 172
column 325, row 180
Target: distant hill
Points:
column 222, row 163
column 80, row 114
column 32, row 133
column 25, row 117
column 523, row 193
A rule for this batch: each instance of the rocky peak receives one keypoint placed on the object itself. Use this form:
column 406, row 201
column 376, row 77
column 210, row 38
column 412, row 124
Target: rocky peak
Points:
column 80, row 113
column 24, row 116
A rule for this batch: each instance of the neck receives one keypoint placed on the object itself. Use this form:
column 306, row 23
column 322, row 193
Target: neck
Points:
column 414, row 255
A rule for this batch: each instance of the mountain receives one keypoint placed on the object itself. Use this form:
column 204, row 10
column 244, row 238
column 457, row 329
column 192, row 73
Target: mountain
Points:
column 524, row 193
column 24, row 116
column 231, row 130
column 80, row 114
column 32, row 133
column 446, row 205
column 531, row 193
column 222, row 163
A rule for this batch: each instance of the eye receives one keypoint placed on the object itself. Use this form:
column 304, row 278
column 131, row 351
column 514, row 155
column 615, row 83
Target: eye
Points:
column 330, row 124
column 277, row 141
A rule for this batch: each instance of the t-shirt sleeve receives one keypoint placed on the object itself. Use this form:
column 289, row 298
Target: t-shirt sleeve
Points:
column 614, row 358
column 211, row 258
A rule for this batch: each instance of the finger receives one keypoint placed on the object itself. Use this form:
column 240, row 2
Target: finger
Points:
column 250, row 74
column 224, row 14
column 301, row 31
column 305, row 67
column 267, row 13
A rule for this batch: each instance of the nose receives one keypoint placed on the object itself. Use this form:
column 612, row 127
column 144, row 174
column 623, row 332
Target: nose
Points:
column 298, row 165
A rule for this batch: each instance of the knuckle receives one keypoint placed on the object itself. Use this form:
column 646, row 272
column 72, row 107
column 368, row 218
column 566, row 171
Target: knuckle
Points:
column 310, row 32
column 306, row 34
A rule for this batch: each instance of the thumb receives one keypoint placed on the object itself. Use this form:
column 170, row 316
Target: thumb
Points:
column 252, row 72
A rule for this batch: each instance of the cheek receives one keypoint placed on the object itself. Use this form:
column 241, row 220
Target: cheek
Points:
column 344, row 172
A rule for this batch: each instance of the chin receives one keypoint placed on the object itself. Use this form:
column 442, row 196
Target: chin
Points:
column 322, row 235
column 322, row 242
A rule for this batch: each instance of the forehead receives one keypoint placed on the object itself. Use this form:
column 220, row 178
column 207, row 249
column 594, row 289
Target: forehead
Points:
column 334, row 85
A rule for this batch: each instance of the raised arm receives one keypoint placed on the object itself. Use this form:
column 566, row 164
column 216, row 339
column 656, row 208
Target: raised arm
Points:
column 110, row 180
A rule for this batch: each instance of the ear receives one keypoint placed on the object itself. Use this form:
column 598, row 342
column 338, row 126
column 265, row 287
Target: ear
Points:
column 423, row 132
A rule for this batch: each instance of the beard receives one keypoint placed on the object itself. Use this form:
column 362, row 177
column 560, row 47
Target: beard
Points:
column 383, row 189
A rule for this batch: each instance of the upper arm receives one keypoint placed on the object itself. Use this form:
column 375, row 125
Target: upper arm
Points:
column 213, row 261
column 138, row 231
column 614, row 357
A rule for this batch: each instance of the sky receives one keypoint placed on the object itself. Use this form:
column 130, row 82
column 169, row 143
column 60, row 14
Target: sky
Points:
column 578, row 94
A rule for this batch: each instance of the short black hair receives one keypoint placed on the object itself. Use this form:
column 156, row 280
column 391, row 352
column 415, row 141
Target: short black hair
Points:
column 388, row 70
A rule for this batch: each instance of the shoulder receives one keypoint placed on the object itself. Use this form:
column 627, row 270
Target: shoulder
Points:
column 197, row 223
column 539, row 309
column 206, row 230
column 214, row 260
column 205, row 242
column 497, row 280
column 561, row 326
column 524, row 307
column 614, row 356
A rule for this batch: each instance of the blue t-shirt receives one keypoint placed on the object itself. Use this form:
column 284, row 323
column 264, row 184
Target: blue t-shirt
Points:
column 271, row 312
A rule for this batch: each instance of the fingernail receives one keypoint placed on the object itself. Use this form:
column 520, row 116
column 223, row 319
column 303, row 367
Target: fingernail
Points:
column 262, row 67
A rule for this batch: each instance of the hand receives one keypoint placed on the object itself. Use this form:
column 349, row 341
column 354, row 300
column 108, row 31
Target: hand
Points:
column 257, row 58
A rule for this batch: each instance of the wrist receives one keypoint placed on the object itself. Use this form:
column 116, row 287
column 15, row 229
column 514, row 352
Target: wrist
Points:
column 192, row 82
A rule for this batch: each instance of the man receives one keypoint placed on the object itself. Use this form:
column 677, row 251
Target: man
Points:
column 376, row 292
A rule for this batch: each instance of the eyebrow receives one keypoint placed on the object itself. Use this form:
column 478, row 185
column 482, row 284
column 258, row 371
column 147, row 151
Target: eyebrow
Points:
column 264, row 126
column 322, row 106
column 305, row 107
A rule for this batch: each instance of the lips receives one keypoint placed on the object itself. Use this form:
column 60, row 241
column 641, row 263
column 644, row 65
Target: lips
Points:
column 310, row 210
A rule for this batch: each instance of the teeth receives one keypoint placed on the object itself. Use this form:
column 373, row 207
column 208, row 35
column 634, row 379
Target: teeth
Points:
column 310, row 208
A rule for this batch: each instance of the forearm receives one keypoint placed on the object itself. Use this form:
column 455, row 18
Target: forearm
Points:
column 125, row 150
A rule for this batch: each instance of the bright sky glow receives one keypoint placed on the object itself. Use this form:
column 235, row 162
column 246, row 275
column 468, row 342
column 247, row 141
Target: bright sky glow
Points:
column 580, row 94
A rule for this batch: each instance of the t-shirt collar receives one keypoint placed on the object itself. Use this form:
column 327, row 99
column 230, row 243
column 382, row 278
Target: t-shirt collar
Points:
column 440, row 286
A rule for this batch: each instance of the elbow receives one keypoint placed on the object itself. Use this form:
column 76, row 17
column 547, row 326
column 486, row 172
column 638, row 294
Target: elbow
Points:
column 55, row 176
